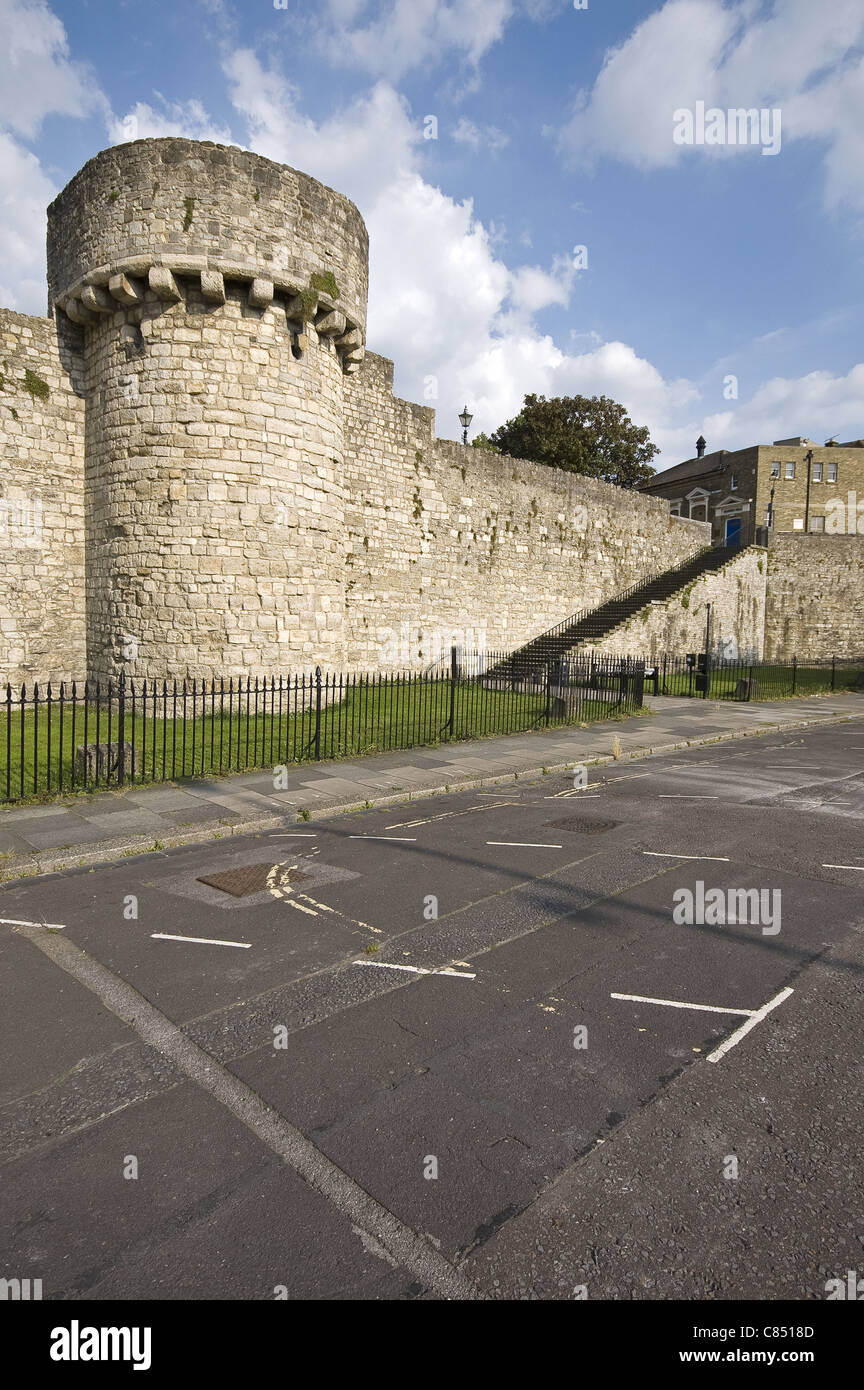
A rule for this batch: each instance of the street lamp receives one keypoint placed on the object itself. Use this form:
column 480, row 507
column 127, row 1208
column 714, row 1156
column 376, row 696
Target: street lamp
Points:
column 465, row 420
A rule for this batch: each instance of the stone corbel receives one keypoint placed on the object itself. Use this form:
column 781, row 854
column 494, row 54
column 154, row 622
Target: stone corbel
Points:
column 352, row 339
column 74, row 309
column 260, row 293
column 213, row 286
column 125, row 291
column 97, row 300
column 163, row 284
column 331, row 325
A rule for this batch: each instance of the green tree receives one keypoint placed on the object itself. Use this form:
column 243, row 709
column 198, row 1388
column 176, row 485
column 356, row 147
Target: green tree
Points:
column 581, row 434
column 482, row 441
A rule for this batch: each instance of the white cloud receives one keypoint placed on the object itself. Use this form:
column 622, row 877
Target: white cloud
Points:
column 186, row 118
column 37, row 76
column 487, row 138
column 25, row 192
column 406, row 34
column 819, row 404
column 799, row 57
column 533, row 289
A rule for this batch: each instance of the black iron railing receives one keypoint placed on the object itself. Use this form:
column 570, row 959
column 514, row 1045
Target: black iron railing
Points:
column 79, row 737
column 719, row 679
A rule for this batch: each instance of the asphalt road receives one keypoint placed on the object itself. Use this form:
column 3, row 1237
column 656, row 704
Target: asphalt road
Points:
column 330, row 1091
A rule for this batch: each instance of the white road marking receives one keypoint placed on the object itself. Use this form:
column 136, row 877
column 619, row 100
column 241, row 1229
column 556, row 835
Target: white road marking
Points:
column 684, row 796
column 280, row 887
column 391, row 839
column 586, row 796
column 716, row 858
column 859, row 868
column 322, row 907
column 741, row 1032
column 200, row 940
column 417, row 969
column 49, row 926
column 445, row 815
column 573, row 791
column 299, row 907
column 522, row 844
column 752, row 1016
column 285, row 894
column 629, row 777
column 678, row 1004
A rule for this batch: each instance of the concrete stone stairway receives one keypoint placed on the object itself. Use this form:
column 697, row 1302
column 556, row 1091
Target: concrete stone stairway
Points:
column 592, row 624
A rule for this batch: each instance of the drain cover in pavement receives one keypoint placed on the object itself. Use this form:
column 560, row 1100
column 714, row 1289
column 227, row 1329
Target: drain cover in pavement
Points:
column 584, row 825
column 251, row 878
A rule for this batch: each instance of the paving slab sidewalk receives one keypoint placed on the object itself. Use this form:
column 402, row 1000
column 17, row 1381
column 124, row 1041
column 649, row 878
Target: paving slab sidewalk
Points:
column 106, row 825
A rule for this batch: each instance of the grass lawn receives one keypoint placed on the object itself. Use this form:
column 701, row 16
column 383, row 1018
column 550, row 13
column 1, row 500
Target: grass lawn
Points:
column 37, row 757
column 771, row 682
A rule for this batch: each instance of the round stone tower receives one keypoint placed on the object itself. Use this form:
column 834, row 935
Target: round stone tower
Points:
column 221, row 300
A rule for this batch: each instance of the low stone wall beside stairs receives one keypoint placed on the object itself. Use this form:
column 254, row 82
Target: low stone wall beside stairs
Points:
column 736, row 593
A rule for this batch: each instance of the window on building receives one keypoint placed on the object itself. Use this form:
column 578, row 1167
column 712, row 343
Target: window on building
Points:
column 790, row 470
column 817, row 473
column 832, row 472
column 733, row 481
column 817, row 523
column 775, row 469
column 675, row 508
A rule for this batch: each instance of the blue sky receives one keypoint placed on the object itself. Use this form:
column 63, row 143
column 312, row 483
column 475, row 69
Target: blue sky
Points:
column 554, row 130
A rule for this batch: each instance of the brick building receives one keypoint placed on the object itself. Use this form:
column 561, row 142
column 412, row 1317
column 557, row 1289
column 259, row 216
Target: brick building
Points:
column 789, row 485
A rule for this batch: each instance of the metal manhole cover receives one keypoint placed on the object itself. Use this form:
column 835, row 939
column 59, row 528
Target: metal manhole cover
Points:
column 584, row 825
column 251, row 878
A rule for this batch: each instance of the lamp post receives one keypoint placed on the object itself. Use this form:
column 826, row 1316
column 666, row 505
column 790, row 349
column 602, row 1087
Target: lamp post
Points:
column 706, row 676
column 465, row 420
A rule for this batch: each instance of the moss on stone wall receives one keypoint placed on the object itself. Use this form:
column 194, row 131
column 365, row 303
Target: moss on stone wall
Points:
column 36, row 386
column 325, row 282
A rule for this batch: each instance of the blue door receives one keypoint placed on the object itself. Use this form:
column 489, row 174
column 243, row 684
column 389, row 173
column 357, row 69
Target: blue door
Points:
column 733, row 531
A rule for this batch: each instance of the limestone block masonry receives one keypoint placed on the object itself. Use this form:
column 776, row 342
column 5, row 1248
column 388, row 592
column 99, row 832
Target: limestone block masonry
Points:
column 815, row 596
column 42, row 633
column 205, row 474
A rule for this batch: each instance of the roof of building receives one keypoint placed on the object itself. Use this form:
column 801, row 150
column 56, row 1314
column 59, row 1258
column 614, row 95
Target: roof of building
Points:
column 691, row 468
column 713, row 463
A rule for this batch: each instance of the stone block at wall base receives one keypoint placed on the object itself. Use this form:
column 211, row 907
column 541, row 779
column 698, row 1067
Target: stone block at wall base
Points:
column 100, row 762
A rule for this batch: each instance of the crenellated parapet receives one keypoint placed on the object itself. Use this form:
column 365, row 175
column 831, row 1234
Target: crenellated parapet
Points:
column 114, row 289
column 173, row 216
